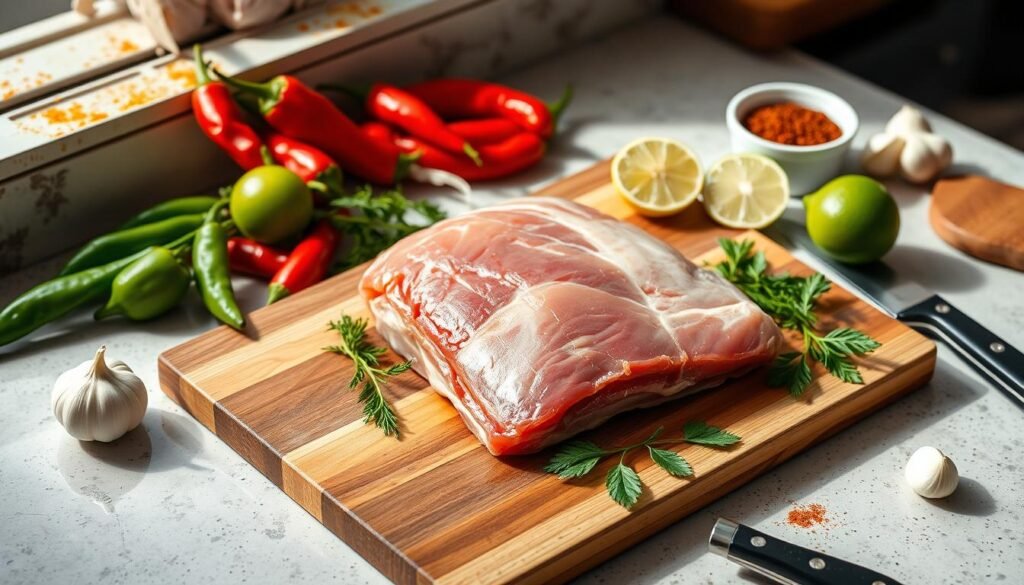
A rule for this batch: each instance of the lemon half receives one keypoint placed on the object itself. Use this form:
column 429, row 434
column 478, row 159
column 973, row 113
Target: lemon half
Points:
column 747, row 191
column 657, row 176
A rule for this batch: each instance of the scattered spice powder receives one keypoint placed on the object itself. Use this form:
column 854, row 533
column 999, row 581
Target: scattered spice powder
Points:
column 807, row 516
column 127, row 46
column 789, row 123
column 341, row 23
column 303, row 27
column 73, row 113
column 182, row 71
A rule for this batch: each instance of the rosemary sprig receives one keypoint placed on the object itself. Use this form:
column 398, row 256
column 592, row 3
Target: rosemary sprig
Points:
column 791, row 301
column 578, row 458
column 365, row 357
column 377, row 222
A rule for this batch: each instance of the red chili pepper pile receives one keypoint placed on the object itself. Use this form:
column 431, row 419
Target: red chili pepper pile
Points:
column 477, row 130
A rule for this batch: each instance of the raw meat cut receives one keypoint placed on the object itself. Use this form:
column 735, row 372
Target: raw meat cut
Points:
column 541, row 318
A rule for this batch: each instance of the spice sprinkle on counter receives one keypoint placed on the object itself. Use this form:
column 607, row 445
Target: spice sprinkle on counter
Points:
column 807, row 516
column 790, row 123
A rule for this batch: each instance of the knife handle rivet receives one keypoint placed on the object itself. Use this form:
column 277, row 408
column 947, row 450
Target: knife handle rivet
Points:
column 817, row 563
column 997, row 347
column 942, row 308
column 758, row 541
column 878, row 583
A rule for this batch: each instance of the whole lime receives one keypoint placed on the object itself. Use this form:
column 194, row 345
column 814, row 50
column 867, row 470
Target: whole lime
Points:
column 853, row 219
column 270, row 204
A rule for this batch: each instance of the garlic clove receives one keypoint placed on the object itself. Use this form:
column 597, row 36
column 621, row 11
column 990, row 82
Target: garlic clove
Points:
column 918, row 164
column 882, row 155
column 909, row 120
column 99, row 400
column 931, row 474
column 939, row 147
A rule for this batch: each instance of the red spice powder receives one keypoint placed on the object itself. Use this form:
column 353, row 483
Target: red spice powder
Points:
column 807, row 516
column 789, row 123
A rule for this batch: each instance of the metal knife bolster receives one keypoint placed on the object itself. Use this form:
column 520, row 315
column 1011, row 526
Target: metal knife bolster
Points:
column 784, row 562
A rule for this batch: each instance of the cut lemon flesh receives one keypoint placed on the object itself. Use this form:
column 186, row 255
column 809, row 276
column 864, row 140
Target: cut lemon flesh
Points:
column 746, row 191
column 657, row 176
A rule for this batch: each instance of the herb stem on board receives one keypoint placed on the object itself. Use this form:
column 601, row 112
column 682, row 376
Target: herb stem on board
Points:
column 368, row 372
column 791, row 301
column 578, row 458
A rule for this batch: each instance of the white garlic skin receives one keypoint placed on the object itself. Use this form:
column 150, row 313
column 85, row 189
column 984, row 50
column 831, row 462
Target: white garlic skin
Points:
column 99, row 400
column 907, row 147
column 931, row 474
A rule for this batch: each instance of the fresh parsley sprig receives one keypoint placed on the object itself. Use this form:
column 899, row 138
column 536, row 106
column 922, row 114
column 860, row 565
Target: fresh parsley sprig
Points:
column 368, row 372
column 377, row 221
column 791, row 301
column 579, row 457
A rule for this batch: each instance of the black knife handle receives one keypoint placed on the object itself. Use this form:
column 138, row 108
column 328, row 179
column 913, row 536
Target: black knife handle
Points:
column 785, row 562
column 989, row 355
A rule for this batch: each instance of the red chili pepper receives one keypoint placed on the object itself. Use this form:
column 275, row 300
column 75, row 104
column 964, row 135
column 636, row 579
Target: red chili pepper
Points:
column 395, row 106
column 500, row 159
column 221, row 120
column 307, row 264
column 471, row 98
column 311, row 164
column 250, row 257
column 295, row 110
column 485, row 130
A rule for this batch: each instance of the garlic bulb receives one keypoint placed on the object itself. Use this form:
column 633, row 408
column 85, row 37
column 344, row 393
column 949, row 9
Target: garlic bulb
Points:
column 239, row 14
column 99, row 401
column 908, row 147
column 931, row 474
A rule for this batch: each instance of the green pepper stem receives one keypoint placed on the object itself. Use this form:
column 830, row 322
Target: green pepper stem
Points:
column 211, row 215
column 559, row 107
column 265, row 155
column 267, row 94
column 202, row 71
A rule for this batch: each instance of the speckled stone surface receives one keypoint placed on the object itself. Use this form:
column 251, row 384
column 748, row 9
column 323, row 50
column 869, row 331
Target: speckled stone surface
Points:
column 171, row 503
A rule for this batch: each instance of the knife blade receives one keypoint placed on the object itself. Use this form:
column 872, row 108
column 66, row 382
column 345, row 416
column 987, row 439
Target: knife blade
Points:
column 989, row 355
column 785, row 562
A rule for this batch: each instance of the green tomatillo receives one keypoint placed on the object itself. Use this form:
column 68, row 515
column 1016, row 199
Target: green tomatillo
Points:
column 270, row 204
column 148, row 287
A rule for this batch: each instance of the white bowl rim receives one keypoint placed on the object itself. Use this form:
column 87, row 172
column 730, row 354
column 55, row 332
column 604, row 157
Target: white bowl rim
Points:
column 733, row 121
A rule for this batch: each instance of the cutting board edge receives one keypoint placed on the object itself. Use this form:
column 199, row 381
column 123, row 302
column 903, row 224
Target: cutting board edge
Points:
column 669, row 510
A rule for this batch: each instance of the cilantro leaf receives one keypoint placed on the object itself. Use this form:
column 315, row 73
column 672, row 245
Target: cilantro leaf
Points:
column 623, row 485
column 790, row 370
column 670, row 461
column 575, row 459
column 702, row 433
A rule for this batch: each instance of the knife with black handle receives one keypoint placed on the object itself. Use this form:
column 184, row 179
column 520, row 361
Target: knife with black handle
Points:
column 986, row 353
column 784, row 562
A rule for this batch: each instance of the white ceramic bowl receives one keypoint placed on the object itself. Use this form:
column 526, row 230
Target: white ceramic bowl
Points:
column 808, row 167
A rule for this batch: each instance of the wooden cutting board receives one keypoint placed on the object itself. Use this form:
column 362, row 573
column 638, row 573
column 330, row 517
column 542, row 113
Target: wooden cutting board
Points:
column 982, row 217
column 435, row 507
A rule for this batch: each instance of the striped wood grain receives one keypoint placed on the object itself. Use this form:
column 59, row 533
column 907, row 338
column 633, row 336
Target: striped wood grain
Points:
column 435, row 507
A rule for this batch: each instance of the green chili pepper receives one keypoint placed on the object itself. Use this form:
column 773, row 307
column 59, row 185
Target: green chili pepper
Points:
column 210, row 262
column 172, row 208
column 57, row 297
column 148, row 287
column 124, row 243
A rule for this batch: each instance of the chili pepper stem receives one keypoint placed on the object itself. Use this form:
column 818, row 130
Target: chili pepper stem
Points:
column 202, row 67
column 558, row 108
column 267, row 94
column 265, row 155
column 473, row 154
column 276, row 292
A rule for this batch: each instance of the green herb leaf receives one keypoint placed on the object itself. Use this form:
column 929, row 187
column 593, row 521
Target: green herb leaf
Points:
column 623, row 485
column 365, row 357
column 704, row 434
column 670, row 461
column 575, row 459
column 791, row 371
column 849, row 342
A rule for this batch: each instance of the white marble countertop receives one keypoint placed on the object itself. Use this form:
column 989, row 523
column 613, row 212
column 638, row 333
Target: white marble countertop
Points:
column 171, row 503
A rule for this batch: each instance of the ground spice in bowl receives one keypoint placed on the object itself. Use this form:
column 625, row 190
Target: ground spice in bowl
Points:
column 790, row 123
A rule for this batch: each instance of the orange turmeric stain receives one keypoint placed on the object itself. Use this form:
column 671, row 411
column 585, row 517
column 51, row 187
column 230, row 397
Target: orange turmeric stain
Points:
column 341, row 23
column 9, row 94
column 136, row 98
column 73, row 114
column 303, row 27
column 182, row 72
column 127, row 46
